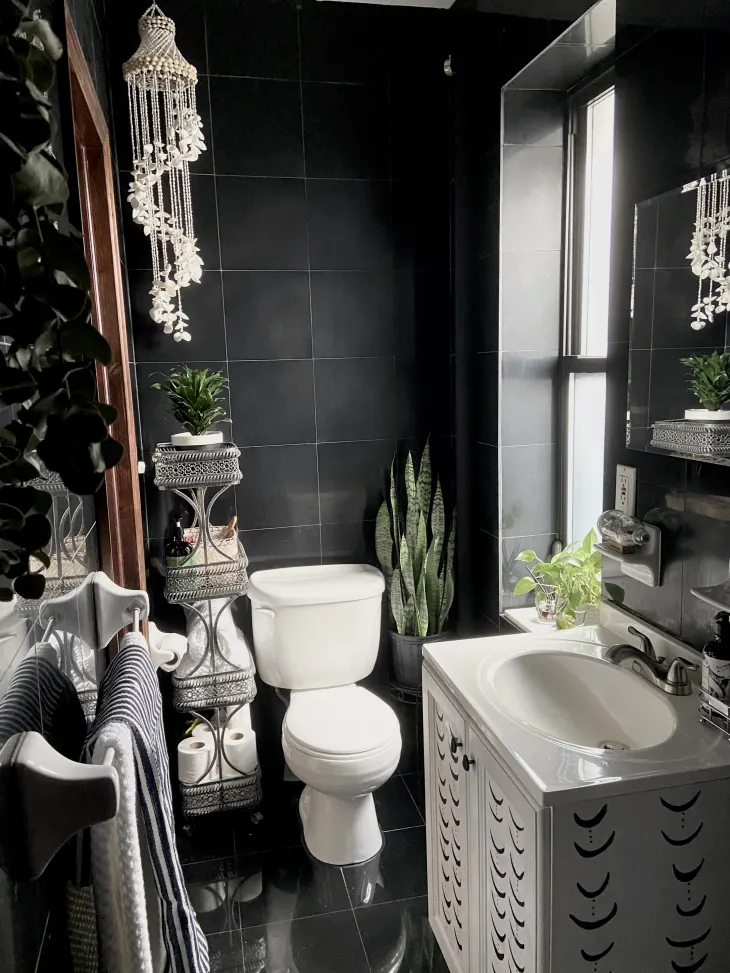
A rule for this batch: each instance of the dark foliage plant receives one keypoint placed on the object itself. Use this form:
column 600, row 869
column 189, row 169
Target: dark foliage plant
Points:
column 48, row 364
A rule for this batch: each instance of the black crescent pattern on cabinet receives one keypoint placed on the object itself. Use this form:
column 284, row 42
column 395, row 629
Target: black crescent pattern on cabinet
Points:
column 507, row 918
column 688, row 937
column 593, row 838
column 450, row 837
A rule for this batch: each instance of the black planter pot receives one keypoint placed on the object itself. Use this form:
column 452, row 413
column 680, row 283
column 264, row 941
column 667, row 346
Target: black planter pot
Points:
column 408, row 656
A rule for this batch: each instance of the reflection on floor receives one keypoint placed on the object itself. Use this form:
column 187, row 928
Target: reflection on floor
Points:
column 267, row 907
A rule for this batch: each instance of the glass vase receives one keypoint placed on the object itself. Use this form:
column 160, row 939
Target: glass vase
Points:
column 549, row 603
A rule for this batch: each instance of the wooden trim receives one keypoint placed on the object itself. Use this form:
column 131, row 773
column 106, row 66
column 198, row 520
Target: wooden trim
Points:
column 119, row 508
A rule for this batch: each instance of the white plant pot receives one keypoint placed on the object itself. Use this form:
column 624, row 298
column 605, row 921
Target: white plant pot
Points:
column 187, row 439
column 706, row 415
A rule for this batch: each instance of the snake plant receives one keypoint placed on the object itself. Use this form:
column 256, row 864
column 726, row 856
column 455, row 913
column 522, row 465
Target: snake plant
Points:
column 412, row 546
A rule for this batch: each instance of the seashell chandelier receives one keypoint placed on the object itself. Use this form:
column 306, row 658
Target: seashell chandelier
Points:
column 708, row 250
column 166, row 137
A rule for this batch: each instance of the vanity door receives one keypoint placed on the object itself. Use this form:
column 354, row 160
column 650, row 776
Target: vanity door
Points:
column 446, row 825
column 503, row 848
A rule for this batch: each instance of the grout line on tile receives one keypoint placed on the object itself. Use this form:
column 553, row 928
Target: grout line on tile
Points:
column 412, row 796
column 357, row 924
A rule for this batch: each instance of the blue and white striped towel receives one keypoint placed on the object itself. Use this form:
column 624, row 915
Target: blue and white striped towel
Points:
column 129, row 694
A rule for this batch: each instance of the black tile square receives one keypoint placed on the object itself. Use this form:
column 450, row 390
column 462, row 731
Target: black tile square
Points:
column 349, row 44
column 278, row 826
column 137, row 246
column 357, row 398
column 400, row 929
column 226, row 952
column 349, row 225
column 422, row 315
column 203, row 304
column 263, row 223
column 204, row 841
column 395, row 807
column 346, row 131
column 675, row 225
column 281, row 547
column 530, row 398
column 253, row 39
column 328, row 942
column 416, row 784
column 534, row 117
column 267, row 314
column 532, row 197
column 272, row 402
column 421, row 226
column 352, row 543
column 278, row 487
column 529, row 489
column 352, row 313
column 352, row 479
column 675, row 292
column 419, row 126
column 402, row 868
column 257, row 127
column 531, row 318
column 291, row 885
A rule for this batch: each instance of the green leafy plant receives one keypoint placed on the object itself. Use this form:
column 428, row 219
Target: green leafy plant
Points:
column 709, row 379
column 195, row 395
column 48, row 370
column 415, row 555
column 574, row 572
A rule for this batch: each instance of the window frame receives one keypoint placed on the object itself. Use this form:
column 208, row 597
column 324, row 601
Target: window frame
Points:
column 572, row 361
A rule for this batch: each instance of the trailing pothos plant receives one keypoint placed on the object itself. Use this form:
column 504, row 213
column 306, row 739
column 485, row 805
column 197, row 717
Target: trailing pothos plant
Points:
column 48, row 362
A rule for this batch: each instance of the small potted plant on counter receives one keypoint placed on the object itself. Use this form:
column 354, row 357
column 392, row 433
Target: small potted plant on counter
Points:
column 195, row 396
column 568, row 586
column 416, row 554
column 710, row 382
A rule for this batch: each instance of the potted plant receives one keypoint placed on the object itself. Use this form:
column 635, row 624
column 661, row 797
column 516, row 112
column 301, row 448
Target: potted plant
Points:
column 195, row 396
column 568, row 585
column 417, row 558
column 710, row 382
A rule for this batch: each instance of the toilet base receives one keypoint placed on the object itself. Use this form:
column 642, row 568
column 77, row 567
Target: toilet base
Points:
column 339, row 831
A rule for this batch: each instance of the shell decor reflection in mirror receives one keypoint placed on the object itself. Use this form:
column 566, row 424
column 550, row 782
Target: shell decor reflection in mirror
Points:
column 167, row 136
column 708, row 250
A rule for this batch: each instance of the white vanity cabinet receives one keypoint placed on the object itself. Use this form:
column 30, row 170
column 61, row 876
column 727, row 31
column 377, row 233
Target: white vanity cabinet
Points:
column 482, row 848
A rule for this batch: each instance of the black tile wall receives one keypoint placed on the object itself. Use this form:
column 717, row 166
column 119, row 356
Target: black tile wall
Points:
column 664, row 136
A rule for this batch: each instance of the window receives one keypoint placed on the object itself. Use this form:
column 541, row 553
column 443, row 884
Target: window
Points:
column 585, row 346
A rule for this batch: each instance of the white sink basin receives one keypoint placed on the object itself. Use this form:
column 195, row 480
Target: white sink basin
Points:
column 580, row 700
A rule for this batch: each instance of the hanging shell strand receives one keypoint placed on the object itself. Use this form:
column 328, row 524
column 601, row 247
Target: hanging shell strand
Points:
column 167, row 136
column 708, row 250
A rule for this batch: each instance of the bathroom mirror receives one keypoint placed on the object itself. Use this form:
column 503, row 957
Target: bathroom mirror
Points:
column 664, row 301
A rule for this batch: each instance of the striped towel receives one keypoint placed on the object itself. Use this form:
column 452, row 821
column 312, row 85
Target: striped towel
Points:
column 41, row 698
column 129, row 694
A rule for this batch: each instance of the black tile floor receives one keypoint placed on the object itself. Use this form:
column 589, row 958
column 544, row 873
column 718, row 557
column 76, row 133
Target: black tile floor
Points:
column 267, row 907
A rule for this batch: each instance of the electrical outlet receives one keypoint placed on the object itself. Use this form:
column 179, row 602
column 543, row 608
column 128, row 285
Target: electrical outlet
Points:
column 626, row 489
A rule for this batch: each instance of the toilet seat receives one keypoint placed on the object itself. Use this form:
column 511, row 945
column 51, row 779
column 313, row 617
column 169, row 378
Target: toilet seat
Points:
column 345, row 722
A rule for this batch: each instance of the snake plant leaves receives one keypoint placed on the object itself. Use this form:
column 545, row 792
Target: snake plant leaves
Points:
column 423, row 484
column 394, row 507
column 384, row 541
column 434, row 589
column 421, row 607
column 411, row 507
column 396, row 602
column 419, row 554
column 406, row 568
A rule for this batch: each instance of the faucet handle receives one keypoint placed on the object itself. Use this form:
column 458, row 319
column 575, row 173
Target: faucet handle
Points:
column 678, row 681
column 690, row 666
column 647, row 647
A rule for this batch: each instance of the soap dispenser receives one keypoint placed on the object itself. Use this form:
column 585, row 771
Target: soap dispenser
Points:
column 716, row 660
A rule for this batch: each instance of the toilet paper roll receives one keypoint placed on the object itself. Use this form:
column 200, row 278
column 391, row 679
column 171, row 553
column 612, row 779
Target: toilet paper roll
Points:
column 203, row 732
column 240, row 748
column 193, row 757
column 239, row 719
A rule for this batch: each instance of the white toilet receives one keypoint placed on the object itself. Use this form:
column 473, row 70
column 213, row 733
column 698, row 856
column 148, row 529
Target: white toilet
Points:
column 316, row 632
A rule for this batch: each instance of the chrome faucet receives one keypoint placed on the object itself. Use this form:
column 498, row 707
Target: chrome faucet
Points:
column 673, row 678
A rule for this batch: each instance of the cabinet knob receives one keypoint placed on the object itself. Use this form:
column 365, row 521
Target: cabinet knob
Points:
column 456, row 744
column 467, row 762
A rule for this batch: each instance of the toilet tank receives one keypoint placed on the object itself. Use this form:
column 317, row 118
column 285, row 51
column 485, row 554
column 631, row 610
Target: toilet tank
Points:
column 316, row 627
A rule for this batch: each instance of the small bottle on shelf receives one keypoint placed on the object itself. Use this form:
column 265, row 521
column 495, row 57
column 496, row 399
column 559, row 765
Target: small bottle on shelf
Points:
column 177, row 549
column 622, row 533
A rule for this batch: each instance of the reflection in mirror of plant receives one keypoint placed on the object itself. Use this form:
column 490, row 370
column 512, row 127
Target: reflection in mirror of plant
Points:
column 574, row 573
column 48, row 372
column 710, row 379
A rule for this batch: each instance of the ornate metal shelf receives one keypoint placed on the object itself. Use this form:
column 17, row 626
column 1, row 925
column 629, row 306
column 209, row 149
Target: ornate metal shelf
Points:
column 694, row 438
column 226, row 578
column 188, row 469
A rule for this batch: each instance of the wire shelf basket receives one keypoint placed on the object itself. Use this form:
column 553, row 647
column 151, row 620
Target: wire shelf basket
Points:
column 221, row 795
column 180, row 469
column 697, row 438
column 715, row 712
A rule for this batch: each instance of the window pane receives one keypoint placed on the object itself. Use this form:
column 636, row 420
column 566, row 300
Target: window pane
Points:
column 585, row 451
column 596, row 230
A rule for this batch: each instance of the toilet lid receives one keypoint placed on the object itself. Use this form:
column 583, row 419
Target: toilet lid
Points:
column 347, row 720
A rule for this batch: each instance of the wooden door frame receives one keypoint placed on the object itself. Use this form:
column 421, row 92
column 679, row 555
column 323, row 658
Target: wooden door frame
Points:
column 118, row 505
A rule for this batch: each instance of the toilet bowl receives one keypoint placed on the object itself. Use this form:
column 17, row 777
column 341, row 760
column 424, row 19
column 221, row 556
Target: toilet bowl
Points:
column 316, row 632
column 344, row 744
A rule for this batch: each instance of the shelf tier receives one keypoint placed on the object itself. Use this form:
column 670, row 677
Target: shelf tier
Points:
column 190, row 469
column 221, row 795
column 204, row 582
column 690, row 437
column 228, row 687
